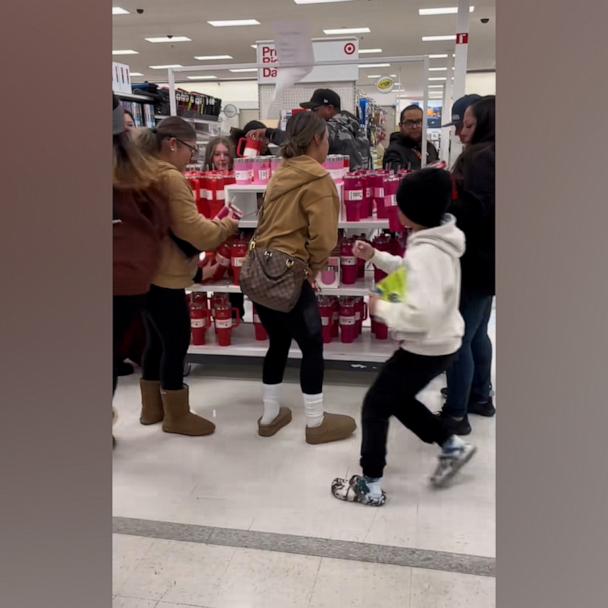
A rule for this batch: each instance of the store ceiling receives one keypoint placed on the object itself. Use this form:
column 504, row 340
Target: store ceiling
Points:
column 396, row 28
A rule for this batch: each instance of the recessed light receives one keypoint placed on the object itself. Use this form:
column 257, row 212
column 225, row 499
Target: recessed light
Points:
column 447, row 10
column 439, row 56
column 364, row 66
column 202, row 77
column 254, row 46
column 374, row 75
column 135, row 73
column 233, row 22
column 433, row 38
column 169, row 39
column 438, row 78
column 245, row 70
column 210, row 57
column 165, row 67
column 365, row 51
column 125, row 52
column 393, row 75
column 438, row 69
column 116, row 10
column 347, row 30
column 318, row 1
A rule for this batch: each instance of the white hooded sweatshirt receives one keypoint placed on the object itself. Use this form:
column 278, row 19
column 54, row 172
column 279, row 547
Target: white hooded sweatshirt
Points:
column 428, row 322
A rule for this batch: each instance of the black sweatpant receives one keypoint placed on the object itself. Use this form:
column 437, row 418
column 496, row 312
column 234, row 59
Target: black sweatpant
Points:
column 393, row 393
column 167, row 322
column 302, row 324
column 125, row 309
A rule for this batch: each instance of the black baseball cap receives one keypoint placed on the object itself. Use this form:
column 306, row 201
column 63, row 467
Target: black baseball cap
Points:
column 459, row 107
column 322, row 97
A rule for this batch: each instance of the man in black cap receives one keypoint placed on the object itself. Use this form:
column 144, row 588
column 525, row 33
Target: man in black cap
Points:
column 405, row 148
column 458, row 109
column 346, row 136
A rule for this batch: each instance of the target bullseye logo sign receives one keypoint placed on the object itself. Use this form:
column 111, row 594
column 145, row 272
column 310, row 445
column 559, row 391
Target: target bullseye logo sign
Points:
column 349, row 48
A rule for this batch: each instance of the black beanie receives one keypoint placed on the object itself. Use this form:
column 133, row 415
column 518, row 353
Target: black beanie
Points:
column 424, row 196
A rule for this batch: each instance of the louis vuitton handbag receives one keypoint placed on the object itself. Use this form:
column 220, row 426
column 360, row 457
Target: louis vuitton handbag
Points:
column 272, row 278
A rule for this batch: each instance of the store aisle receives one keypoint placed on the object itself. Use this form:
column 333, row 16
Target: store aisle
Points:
column 236, row 480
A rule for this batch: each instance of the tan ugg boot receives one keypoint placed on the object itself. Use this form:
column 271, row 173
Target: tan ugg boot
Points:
column 151, row 402
column 333, row 428
column 178, row 417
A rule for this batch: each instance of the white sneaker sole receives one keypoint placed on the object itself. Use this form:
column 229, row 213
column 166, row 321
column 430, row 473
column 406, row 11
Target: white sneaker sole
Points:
column 441, row 482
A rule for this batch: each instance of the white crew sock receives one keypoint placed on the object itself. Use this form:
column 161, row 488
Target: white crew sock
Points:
column 453, row 443
column 374, row 485
column 271, row 403
column 313, row 408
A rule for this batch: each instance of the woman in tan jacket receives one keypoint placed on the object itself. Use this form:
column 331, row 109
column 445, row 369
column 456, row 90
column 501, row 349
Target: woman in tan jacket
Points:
column 300, row 218
column 166, row 315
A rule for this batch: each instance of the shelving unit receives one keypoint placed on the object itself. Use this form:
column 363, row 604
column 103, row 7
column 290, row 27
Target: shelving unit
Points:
column 140, row 106
column 365, row 349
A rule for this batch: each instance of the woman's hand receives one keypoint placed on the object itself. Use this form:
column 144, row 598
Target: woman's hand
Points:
column 363, row 250
column 233, row 224
column 209, row 271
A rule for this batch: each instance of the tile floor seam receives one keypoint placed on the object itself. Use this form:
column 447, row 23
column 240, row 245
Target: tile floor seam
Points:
column 314, row 583
column 412, row 557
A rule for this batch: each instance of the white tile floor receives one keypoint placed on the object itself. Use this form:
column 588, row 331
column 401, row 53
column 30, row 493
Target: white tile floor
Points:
column 236, row 479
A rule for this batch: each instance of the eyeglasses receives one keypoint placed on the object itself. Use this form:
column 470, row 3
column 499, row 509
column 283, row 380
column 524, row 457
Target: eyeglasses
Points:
column 194, row 150
column 412, row 123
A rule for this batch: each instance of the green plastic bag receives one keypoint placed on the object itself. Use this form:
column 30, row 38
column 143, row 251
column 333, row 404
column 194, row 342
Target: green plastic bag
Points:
column 393, row 288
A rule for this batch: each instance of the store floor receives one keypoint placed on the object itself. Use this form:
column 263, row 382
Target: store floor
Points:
column 237, row 521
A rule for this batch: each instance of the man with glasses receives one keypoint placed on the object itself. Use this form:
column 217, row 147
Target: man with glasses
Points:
column 405, row 149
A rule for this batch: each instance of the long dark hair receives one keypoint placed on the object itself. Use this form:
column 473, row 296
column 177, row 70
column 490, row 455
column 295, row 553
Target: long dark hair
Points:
column 484, row 137
column 301, row 130
column 132, row 168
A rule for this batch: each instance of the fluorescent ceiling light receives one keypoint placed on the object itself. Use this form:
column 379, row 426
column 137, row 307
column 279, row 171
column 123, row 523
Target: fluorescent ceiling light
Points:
column 441, row 78
column 439, row 56
column 347, row 30
column 374, row 75
column 116, row 10
column 245, row 70
column 136, row 74
column 171, row 39
column 364, row 66
column 202, row 77
column 254, row 46
column 234, row 22
column 166, row 67
column 363, row 51
column 433, row 38
column 318, row 1
column 448, row 10
column 438, row 69
column 210, row 57
column 435, row 86
column 125, row 52
column 393, row 75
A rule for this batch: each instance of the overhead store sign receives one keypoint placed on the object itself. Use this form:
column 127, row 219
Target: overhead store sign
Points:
column 324, row 50
column 385, row 85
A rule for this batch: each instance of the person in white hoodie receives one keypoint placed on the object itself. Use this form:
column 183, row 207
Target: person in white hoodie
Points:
column 429, row 328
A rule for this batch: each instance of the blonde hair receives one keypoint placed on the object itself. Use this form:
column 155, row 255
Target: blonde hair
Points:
column 132, row 167
column 301, row 130
column 213, row 144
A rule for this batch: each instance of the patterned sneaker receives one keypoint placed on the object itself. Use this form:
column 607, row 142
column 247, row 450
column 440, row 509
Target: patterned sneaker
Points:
column 451, row 460
column 356, row 490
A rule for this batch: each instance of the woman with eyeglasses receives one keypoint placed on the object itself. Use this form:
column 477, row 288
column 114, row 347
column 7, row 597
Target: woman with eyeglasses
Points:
column 166, row 314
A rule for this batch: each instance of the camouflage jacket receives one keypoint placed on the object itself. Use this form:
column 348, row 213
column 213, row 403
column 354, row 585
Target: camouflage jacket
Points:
column 346, row 136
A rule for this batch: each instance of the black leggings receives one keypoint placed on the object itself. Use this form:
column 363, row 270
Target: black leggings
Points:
column 302, row 324
column 125, row 309
column 167, row 323
column 393, row 393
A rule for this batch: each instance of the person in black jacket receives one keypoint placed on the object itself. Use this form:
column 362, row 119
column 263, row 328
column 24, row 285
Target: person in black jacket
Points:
column 405, row 148
column 469, row 379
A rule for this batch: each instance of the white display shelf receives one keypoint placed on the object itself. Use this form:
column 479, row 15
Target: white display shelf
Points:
column 198, row 121
column 364, row 349
column 245, row 188
column 369, row 224
column 361, row 288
